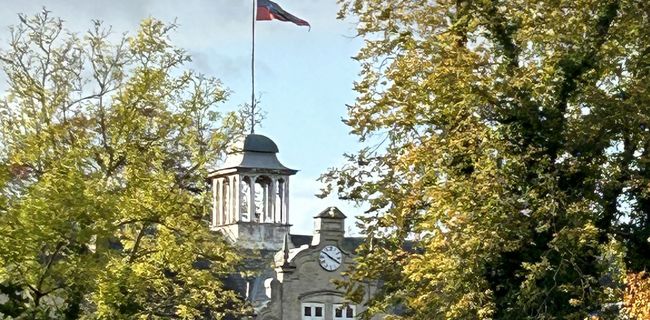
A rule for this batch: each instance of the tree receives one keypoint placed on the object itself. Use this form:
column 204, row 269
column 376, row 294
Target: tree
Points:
column 507, row 156
column 104, row 141
column 637, row 295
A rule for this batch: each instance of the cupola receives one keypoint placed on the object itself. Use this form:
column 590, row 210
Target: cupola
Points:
column 250, row 194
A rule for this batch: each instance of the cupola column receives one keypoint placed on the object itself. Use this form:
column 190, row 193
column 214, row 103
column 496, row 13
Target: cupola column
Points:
column 215, row 203
column 223, row 200
column 265, row 202
column 235, row 199
column 285, row 201
column 253, row 205
column 243, row 197
column 231, row 206
column 220, row 214
column 272, row 193
column 280, row 196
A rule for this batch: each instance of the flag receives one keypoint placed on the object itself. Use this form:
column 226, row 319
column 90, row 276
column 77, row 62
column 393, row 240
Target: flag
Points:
column 269, row 10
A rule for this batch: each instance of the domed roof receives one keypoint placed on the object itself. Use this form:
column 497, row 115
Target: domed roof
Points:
column 254, row 152
column 259, row 143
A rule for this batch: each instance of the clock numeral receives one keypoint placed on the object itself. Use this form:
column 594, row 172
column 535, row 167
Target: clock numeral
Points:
column 330, row 258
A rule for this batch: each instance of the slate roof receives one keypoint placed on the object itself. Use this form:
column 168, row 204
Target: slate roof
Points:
column 253, row 153
column 259, row 143
column 298, row 240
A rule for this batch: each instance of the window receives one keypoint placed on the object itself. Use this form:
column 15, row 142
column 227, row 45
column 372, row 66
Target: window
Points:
column 344, row 312
column 313, row 311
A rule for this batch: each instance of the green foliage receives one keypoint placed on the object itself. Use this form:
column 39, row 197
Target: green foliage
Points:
column 515, row 156
column 104, row 141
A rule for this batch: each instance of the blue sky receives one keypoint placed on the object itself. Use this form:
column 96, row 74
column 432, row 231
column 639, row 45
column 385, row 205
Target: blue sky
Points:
column 305, row 78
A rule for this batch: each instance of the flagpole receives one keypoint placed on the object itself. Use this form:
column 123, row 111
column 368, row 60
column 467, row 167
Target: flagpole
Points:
column 253, row 70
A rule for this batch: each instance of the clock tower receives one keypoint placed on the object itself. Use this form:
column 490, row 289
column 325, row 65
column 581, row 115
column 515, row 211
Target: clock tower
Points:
column 288, row 276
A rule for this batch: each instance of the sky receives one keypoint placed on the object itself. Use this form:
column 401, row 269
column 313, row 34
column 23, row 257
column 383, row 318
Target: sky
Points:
column 304, row 77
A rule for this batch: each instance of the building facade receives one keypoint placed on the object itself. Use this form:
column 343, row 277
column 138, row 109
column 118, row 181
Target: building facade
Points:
column 292, row 276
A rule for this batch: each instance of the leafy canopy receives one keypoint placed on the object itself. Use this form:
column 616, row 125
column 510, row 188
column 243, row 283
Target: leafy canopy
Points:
column 514, row 155
column 637, row 295
column 104, row 140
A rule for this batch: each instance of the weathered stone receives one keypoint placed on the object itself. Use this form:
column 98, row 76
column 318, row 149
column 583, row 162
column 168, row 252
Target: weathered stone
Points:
column 284, row 276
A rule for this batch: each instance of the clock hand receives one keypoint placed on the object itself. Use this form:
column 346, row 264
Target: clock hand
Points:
column 335, row 260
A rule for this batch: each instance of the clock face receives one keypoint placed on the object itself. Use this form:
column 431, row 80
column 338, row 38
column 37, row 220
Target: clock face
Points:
column 330, row 258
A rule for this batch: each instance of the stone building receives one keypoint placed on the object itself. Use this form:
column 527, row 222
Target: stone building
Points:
column 292, row 275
